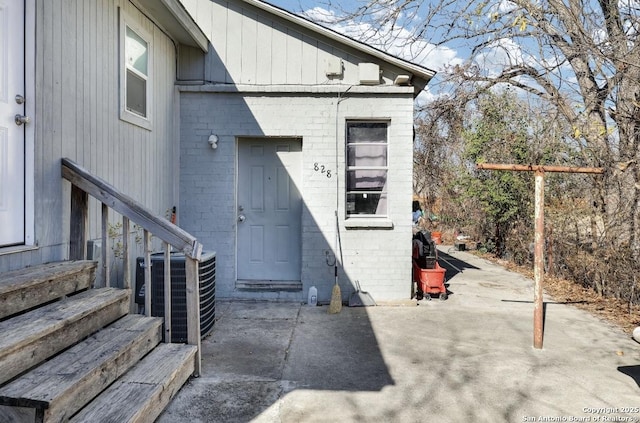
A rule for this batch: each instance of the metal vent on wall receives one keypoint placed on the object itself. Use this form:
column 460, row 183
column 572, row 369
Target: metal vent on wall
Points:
column 369, row 73
column 207, row 275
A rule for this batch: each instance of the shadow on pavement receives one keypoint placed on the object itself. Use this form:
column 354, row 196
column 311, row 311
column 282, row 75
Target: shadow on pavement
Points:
column 337, row 352
column 260, row 351
column 631, row 371
column 452, row 264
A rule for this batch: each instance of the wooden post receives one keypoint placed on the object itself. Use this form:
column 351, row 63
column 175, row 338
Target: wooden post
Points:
column 106, row 278
column 193, row 309
column 167, row 293
column 147, row 273
column 125, row 253
column 79, row 224
column 538, row 270
column 550, row 270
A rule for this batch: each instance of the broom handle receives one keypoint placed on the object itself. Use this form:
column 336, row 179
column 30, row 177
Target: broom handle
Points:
column 338, row 247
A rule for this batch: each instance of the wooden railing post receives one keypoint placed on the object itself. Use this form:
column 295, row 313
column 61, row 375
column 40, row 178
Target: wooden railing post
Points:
column 147, row 273
column 193, row 309
column 84, row 184
column 106, row 278
column 125, row 253
column 79, row 224
column 167, row 293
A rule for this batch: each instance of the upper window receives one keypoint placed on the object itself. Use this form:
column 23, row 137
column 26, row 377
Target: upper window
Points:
column 135, row 80
column 367, row 168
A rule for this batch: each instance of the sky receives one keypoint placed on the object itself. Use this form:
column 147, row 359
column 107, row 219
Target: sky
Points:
column 494, row 55
column 497, row 49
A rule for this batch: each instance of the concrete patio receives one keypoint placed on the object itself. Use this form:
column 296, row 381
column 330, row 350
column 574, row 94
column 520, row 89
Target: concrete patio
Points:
column 467, row 359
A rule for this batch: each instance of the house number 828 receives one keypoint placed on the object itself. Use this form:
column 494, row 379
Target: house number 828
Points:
column 321, row 168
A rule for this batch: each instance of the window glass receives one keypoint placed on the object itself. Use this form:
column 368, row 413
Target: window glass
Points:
column 136, row 94
column 367, row 132
column 136, row 52
column 366, row 180
column 366, row 168
column 136, row 72
column 367, row 155
column 136, row 55
column 365, row 203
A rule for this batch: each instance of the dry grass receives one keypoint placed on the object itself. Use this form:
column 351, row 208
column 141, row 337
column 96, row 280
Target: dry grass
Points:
column 618, row 312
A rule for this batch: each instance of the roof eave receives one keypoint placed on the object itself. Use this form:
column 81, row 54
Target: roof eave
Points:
column 172, row 16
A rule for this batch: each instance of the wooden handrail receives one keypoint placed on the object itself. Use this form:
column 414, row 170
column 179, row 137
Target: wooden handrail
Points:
column 128, row 207
column 83, row 184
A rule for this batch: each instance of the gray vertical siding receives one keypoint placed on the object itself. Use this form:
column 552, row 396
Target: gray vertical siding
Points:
column 77, row 116
column 251, row 46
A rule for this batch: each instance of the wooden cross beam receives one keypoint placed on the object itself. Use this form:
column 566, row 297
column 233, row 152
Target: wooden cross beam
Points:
column 538, row 267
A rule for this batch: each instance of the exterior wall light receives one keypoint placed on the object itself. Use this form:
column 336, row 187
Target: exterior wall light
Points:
column 213, row 141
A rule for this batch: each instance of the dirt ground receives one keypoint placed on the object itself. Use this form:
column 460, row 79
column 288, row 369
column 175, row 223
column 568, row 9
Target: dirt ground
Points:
column 618, row 312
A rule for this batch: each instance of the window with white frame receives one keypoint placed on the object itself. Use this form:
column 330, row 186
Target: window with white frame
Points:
column 367, row 146
column 135, row 79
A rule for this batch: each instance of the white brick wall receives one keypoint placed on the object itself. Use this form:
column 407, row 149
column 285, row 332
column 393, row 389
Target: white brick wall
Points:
column 379, row 258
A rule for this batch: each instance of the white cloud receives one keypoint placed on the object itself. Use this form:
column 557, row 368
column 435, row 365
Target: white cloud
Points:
column 425, row 97
column 502, row 53
column 395, row 41
column 320, row 15
column 506, row 6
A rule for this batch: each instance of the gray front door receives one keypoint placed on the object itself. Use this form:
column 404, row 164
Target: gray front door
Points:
column 269, row 209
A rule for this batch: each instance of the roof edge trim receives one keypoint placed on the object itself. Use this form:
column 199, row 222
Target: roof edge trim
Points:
column 173, row 18
column 185, row 20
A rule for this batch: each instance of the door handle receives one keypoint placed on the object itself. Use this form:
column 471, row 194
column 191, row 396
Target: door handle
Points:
column 241, row 218
column 20, row 119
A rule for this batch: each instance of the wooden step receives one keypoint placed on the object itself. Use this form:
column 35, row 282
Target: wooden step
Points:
column 63, row 385
column 26, row 288
column 268, row 285
column 29, row 338
column 144, row 392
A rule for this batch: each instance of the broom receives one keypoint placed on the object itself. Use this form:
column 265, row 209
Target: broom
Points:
column 336, row 296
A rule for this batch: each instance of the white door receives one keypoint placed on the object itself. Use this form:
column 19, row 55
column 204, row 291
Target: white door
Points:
column 12, row 132
column 269, row 209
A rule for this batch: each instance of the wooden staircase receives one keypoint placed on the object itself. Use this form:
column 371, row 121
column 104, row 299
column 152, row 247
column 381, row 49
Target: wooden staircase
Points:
column 69, row 353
